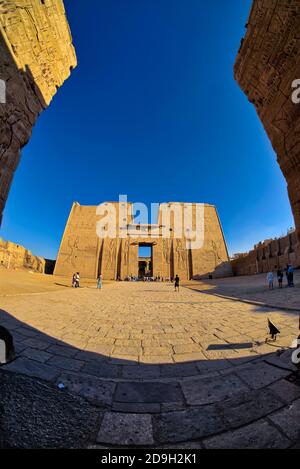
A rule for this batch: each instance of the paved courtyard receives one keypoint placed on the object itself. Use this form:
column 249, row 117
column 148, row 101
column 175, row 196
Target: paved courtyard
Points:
column 162, row 368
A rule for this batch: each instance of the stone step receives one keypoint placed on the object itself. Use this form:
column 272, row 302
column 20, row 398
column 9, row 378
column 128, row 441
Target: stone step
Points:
column 238, row 416
column 154, row 395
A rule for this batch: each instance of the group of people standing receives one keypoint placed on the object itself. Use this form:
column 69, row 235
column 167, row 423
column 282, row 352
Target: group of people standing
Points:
column 76, row 281
column 289, row 272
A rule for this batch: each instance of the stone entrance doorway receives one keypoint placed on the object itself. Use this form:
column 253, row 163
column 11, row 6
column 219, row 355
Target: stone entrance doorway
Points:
column 145, row 260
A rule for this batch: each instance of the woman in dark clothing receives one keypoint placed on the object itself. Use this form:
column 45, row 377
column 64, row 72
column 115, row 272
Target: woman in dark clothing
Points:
column 177, row 281
column 280, row 277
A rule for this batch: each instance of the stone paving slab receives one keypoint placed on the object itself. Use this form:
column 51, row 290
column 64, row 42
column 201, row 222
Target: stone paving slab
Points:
column 141, row 372
column 101, row 370
column 148, row 392
column 210, row 390
column 191, row 424
column 126, row 429
column 260, row 435
column 288, row 420
column 247, row 407
column 98, row 392
column 260, row 376
column 287, row 391
column 32, row 368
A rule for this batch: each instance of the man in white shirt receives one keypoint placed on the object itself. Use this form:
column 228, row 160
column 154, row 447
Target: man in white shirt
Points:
column 270, row 280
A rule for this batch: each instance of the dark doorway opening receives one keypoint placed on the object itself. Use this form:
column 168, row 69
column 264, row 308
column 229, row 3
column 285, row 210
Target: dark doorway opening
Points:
column 145, row 260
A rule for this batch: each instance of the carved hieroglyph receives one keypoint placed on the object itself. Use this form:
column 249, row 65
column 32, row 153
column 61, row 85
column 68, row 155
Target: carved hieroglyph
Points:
column 267, row 64
column 81, row 250
column 36, row 57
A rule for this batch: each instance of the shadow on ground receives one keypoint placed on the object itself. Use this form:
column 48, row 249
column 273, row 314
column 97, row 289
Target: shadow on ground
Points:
column 107, row 401
column 253, row 290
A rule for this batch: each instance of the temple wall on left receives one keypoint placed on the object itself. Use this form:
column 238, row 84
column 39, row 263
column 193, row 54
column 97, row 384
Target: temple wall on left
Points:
column 36, row 57
column 14, row 256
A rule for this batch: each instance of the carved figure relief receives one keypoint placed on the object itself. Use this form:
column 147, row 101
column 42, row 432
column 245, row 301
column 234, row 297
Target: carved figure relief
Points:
column 111, row 255
column 181, row 255
column 166, row 251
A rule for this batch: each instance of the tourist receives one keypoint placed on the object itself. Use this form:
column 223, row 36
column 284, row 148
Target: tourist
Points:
column 74, row 281
column 177, row 282
column 77, row 280
column 280, row 277
column 270, row 280
column 287, row 274
column 291, row 276
column 99, row 283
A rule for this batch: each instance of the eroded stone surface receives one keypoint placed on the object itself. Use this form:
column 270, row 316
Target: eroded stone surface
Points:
column 126, row 429
column 260, row 435
column 36, row 58
column 268, row 62
column 34, row 415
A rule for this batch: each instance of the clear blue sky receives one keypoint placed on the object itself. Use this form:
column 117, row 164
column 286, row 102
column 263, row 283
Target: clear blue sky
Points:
column 152, row 111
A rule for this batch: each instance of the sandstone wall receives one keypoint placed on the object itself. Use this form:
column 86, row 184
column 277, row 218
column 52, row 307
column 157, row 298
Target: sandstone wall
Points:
column 267, row 64
column 13, row 256
column 83, row 251
column 36, row 57
column 269, row 256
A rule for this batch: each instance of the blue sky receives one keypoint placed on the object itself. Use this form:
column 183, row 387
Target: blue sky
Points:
column 152, row 111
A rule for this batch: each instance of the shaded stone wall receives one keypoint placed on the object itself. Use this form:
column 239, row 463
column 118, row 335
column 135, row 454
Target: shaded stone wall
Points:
column 36, row 57
column 14, row 256
column 269, row 256
column 267, row 64
column 83, row 251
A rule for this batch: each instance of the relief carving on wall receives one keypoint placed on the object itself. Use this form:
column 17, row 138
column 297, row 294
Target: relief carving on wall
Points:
column 215, row 251
column 126, row 252
column 181, row 255
column 166, row 251
column 72, row 248
column 111, row 255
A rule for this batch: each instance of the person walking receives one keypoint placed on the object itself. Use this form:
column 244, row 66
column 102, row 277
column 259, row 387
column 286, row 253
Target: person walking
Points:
column 177, row 283
column 280, row 277
column 74, row 281
column 287, row 274
column 99, row 283
column 77, row 280
column 270, row 280
column 291, row 276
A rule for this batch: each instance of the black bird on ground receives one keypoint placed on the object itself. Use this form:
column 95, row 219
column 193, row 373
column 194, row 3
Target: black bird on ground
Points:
column 273, row 330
